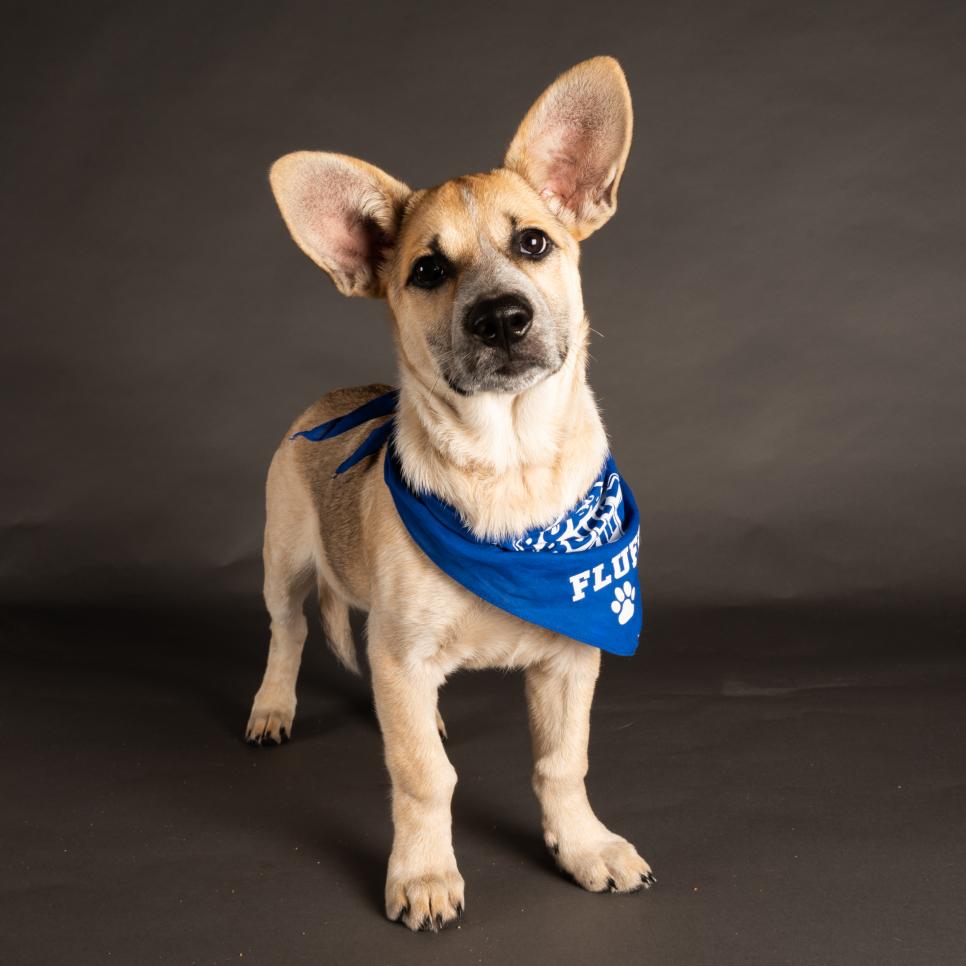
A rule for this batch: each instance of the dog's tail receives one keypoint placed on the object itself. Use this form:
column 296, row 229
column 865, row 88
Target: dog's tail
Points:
column 335, row 623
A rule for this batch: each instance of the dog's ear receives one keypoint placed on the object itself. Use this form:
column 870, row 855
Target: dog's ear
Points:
column 343, row 213
column 573, row 144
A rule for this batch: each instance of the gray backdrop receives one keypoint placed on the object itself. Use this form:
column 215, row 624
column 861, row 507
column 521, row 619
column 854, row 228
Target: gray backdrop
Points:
column 780, row 298
column 780, row 303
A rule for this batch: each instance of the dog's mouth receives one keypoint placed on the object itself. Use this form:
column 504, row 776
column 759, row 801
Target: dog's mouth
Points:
column 505, row 375
column 514, row 368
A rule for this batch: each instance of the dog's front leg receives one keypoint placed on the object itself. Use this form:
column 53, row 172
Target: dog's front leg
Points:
column 559, row 695
column 423, row 887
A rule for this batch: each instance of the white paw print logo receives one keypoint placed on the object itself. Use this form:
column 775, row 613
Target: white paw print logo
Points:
column 623, row 606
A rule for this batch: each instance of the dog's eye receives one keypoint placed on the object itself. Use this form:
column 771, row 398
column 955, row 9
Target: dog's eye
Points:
column 533, row 243
column 429, row 271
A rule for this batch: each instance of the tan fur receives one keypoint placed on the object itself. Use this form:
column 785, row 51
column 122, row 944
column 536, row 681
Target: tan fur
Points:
column 507, row 461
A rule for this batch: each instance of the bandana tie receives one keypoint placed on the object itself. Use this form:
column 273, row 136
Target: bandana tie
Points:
column 577, row 576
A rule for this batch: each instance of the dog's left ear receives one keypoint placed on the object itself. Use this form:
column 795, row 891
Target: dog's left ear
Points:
column 573, row 144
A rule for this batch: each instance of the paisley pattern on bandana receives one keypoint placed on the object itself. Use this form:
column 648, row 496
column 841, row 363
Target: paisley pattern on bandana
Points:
column 596, row 520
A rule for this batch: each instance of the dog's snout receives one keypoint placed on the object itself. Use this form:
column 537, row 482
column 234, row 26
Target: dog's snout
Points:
column 500, row 321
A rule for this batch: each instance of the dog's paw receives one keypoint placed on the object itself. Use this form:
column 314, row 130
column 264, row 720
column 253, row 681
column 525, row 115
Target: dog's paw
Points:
column 269, row 726
column 427, row 902
column 612, row 865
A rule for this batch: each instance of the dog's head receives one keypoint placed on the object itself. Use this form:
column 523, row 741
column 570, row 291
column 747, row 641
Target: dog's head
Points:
column 481, row 273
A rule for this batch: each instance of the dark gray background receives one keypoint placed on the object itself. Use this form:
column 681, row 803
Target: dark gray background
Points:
column 780, row 301
column 780, row 296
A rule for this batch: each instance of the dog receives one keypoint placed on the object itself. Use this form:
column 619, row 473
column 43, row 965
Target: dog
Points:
column 494, row 418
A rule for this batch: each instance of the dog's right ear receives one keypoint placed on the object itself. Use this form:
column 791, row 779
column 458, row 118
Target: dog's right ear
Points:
column 343, row 213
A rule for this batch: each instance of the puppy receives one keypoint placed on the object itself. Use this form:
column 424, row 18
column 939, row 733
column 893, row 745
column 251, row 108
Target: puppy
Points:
column 494, row 419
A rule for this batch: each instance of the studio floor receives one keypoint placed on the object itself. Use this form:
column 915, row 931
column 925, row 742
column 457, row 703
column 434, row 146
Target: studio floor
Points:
column 796, row 777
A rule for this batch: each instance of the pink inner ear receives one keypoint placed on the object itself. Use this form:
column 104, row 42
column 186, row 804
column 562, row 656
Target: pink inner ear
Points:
column 345, row 243
column 571, row 172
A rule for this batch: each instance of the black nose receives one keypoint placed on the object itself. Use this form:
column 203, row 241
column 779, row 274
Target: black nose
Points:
column 500, row 321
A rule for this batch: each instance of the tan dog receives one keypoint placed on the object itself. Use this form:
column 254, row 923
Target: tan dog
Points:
column 496, row 418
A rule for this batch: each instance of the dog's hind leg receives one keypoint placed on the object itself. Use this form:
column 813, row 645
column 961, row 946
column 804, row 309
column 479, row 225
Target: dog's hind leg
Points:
column 290, row 572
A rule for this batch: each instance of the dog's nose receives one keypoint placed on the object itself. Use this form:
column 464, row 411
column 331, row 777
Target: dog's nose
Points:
column 500, row 321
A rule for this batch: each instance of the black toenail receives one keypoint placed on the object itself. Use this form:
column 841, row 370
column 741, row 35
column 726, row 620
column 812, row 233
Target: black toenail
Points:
column 426, row 923
column 611, row 885
column 439, row 920
column 459, row 910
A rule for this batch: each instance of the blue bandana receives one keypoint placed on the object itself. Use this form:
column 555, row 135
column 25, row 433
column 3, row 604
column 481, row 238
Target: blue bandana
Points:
column 577, row 576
